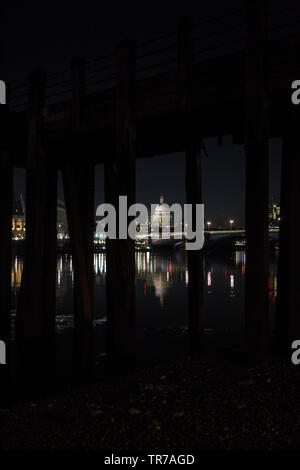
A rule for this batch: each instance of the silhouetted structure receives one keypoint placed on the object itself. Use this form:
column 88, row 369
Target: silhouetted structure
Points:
column 141, row 116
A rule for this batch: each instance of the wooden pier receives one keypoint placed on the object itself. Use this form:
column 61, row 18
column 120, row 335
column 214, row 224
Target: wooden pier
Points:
column 132, row 104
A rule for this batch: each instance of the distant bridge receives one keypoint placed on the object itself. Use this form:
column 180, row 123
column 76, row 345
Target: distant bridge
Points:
column 211, row 237
column 222, row 234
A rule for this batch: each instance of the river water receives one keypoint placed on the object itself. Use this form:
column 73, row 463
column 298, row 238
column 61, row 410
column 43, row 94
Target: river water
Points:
column 161, row 299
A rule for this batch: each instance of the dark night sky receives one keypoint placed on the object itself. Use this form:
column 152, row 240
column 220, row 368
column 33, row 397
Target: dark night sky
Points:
column 48, row 34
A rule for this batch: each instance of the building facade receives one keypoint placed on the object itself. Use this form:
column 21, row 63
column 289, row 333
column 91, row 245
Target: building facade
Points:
column 19, row 220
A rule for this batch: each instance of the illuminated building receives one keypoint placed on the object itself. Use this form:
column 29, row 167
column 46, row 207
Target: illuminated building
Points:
column 19, row 220
column 274, row 215
column 276, row 211
column 62, row 223
column 162, row 215
column 160, row 212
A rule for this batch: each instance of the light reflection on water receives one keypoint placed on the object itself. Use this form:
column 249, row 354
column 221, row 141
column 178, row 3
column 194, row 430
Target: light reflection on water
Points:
column 161, row 293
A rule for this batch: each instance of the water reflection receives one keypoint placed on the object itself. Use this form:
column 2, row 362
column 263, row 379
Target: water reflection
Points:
column 161, row 290
column 16, row 274
column 161, row 273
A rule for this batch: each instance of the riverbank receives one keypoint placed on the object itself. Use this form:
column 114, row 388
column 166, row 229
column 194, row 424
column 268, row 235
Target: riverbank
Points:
column 188, row 404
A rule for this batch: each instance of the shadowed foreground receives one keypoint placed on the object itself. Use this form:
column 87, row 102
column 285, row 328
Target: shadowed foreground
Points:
column 183, row 405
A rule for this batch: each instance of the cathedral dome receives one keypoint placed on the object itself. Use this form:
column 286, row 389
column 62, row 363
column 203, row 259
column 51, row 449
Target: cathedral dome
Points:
column 161, row 210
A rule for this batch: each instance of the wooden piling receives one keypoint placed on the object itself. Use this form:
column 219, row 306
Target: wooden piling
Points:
column 78, row 180
column 37, row 299
column 120, row 180
column 195, row 258
column 257, row 183
column 288, row 306
column 6, row 191
column 193, row 180
column 5, row 242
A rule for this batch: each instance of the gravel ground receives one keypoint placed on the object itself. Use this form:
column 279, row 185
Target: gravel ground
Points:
column 182, row 405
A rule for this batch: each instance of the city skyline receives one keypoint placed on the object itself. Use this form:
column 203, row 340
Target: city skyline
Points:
column 223, row 168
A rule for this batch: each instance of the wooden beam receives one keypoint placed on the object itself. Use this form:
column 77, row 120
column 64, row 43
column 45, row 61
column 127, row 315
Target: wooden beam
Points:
column 257, row 184
column 195, row 258
column 78, row 180
column 37, row 299
column 120, row 180
column 78, row 92
column 6, row 191
column 193, row 178
column 79, row 197
column 288, row 306
column 5, row 242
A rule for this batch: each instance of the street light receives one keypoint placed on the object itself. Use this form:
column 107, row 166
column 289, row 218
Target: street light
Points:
column 208, row 225
column 231, row 222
